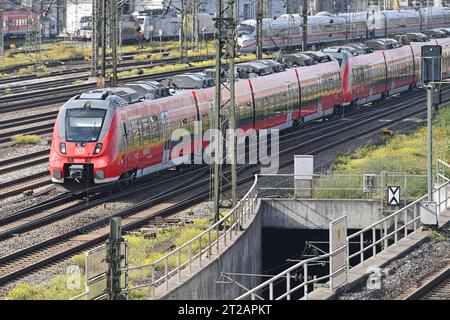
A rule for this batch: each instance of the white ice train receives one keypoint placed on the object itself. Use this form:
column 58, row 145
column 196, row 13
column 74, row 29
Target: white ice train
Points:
column 167, row 26
column 286, row 30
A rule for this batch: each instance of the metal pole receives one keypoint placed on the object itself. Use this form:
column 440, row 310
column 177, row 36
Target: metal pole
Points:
column 430, row 90
column 259, row 33
column 114, row 259
column 232, row 105
column 114, row 41
column 182, row 31
column 217, row 105
column 94, row 38
column 1, row 31
column 305, row 26
column 104, row 35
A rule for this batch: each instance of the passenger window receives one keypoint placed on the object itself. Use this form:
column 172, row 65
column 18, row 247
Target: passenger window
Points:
column 136, row 124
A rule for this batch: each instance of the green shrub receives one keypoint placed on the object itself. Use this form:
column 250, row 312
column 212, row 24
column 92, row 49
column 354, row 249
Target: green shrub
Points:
column 26, row 139
column 140, row 57
column 157, row 56
column 79, row 260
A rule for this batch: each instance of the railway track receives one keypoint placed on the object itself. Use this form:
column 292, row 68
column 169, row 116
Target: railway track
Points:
column 51, row 96
column 28, row 183
column 82, row 66
column 53, row 249
column 435, row 287
column 67, row 77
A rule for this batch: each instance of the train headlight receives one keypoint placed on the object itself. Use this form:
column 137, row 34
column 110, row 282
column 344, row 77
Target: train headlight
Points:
column 62, row 148
column 98, row 148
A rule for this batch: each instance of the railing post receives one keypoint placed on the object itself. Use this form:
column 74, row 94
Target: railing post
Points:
column 241, row 216
column 405, row 221
column 218, row 236
column 439, row 201
column 252, row 296
column 385, row 235
column 395, row 228
column 271, row 291
column 288, row 286
column 374, row 240
column 200, row 253
column 225, row 233
column 190, row 257
column 348, row 256
column 209, row 244
column 415, row 217
column 305, row 280
column 446, row 196
column 231, row 227
column 236, row 220
column 361, row 247
column 166, row 270
column 179, row 265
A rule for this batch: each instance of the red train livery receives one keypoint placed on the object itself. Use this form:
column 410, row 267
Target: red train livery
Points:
column 103, row 136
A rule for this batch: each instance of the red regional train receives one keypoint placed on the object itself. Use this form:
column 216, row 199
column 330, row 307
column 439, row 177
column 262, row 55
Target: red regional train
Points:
column 108, row 136
column 16, row 23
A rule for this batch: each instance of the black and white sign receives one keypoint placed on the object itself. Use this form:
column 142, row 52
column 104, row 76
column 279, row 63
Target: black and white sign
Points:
column 393, row 195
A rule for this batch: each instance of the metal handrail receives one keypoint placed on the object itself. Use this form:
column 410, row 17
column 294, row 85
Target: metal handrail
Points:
column 403, row 213
column 286, row 274
column 234, row 218
column 81, row 295
column 445, row 165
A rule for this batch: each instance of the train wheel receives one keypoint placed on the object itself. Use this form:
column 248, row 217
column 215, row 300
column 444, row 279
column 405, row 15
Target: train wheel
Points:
column 337, row 110
column 118, row 187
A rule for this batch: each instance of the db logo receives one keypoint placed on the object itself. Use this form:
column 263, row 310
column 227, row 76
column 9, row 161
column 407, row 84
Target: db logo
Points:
column 79, row 151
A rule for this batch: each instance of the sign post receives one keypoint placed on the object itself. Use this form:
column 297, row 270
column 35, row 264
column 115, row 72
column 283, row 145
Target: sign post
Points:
column 304, row 176
column 114, row 258
column 431, row 73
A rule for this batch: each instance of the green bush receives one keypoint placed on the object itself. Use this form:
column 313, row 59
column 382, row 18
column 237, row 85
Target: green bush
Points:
column 79, row 260
column 55, row 289
column 140, row 57
column 400, row 153
column 26, row 139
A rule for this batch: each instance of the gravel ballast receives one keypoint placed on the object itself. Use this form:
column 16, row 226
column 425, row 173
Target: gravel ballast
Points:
column 202, row 210
column 406, row 272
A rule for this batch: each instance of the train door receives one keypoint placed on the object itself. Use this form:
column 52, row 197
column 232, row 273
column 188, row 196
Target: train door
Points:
column 290, row 98
column 319, row 95
column 166, row 136
column 135, row 143
column 125, row 146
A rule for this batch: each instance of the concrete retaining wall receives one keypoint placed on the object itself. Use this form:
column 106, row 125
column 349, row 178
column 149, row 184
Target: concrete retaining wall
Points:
column 244, row 256
column 317, row 214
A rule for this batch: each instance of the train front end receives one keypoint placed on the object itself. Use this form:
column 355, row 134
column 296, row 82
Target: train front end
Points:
column 83, row 147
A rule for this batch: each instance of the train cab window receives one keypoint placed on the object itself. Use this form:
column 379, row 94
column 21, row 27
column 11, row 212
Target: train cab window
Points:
column 84, row 125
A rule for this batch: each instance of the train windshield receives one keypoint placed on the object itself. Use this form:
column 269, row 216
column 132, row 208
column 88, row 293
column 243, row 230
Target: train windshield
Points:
column 245, row 30
column 86, row 23
column 84, row 125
